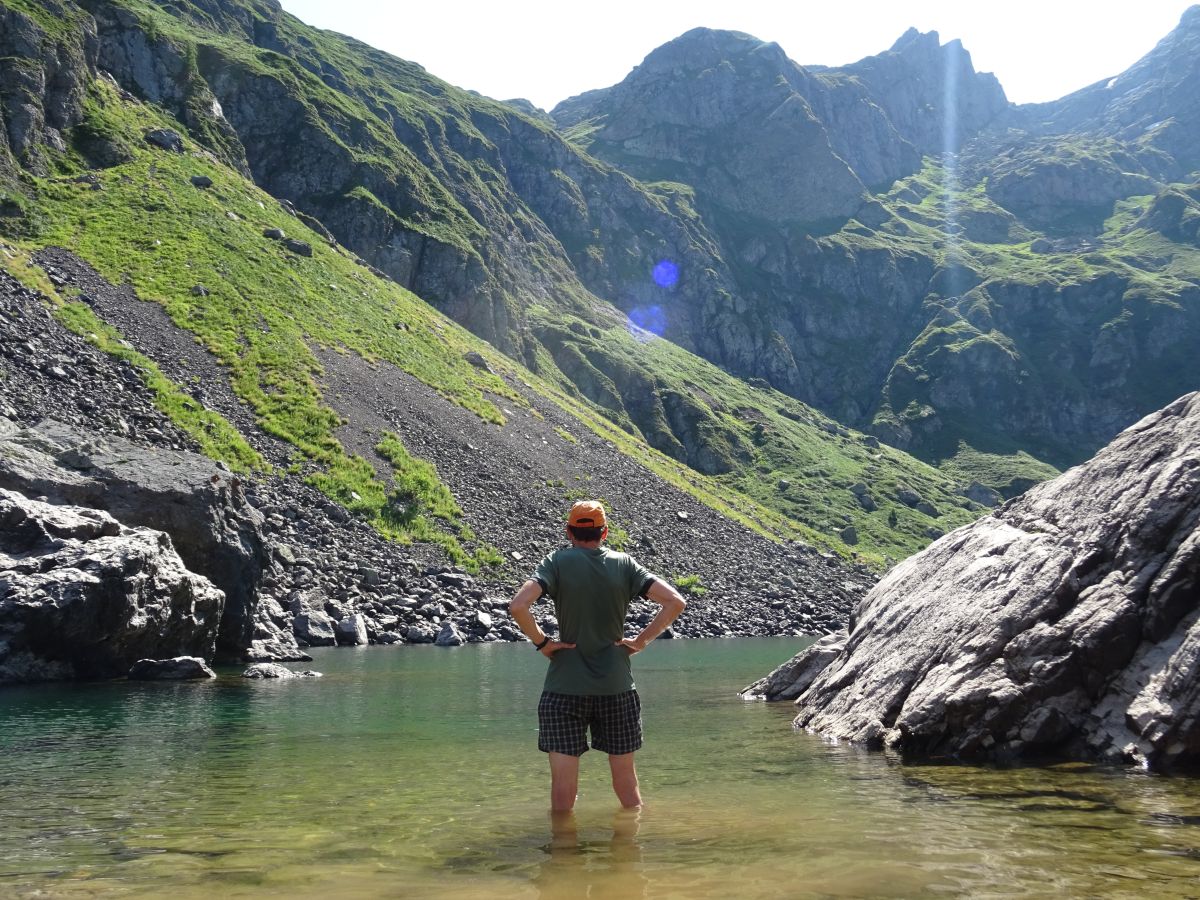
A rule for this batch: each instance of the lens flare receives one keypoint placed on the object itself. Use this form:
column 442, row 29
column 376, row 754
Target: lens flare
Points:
column 666, row 273
column 645, row 321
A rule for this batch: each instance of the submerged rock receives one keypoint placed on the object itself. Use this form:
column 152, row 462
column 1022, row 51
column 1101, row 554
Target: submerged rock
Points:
column 1065, row 624
column 270, row 670
column 181, row 668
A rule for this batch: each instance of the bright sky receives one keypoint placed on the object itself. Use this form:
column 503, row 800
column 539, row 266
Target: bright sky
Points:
column 548, row 51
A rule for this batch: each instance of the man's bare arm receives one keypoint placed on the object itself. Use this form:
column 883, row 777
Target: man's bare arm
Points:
column 672, row 604
column 521, row 609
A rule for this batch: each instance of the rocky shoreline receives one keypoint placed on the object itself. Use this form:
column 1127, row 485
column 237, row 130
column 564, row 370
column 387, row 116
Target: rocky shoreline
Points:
column 80, row 427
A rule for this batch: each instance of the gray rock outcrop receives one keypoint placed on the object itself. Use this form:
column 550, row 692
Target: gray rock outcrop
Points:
column 199, row 504
column 315, row 629
column 82, row 596
column 1065, row 624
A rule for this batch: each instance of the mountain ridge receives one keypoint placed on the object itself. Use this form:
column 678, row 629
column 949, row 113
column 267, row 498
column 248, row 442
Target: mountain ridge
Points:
column 978, row 215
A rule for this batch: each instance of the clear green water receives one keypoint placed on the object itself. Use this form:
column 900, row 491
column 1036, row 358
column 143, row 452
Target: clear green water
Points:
column 413, row 772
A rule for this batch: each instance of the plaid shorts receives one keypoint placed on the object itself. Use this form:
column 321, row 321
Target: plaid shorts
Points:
column 564, row 720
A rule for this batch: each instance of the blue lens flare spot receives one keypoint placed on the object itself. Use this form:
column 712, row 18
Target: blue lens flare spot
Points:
column 666, row 273
column 650, row 319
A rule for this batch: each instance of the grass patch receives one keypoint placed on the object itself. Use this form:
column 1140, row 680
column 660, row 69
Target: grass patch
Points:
column 217, row 438
column 691, row 585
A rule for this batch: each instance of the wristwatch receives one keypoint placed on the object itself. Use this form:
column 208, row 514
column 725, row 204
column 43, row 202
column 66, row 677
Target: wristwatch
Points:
column 544, row 642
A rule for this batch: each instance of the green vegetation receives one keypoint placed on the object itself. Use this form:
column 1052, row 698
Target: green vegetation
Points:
column 64, row 23
column 417, row 495
column 756, row 438
column 259, row 308
column 690, row 585
column 217, row 438
column 1021, row 323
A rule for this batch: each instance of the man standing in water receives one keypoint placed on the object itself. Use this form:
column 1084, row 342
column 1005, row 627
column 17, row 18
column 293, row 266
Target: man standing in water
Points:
column 589, row 685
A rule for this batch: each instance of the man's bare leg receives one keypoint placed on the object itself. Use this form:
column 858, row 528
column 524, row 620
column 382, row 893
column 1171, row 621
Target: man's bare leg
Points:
column 624, row 779
column 564, row 781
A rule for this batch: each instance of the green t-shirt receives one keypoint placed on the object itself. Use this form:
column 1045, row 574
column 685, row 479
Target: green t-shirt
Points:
column 592, row 590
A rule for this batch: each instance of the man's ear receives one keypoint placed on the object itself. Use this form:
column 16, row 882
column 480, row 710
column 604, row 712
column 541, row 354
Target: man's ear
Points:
column 604, row 532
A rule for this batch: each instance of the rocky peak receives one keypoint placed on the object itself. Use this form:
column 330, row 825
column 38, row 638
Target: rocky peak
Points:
column 931, row 91
column 731, row 115
column 913, row 38
column 703, row 48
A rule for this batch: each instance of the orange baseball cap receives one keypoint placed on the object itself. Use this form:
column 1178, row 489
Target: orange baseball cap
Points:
column 587, row 514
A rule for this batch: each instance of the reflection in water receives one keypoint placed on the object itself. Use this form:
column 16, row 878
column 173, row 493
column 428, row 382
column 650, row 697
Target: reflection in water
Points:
column 594, row 869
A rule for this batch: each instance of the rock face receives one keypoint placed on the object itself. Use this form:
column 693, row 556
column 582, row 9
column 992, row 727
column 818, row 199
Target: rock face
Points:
column 200, row 505
column 82, row 596
column 728, row 113
column 42, row 86
column 1067, row 623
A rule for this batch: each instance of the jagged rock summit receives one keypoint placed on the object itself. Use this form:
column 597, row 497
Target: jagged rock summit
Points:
column 1066, row 624
column 762, row 136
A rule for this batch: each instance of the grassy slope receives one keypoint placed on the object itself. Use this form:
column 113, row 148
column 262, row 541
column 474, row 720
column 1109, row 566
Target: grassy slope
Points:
column 260, row 309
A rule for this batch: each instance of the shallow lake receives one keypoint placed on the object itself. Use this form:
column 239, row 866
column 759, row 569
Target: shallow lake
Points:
column 413, row 772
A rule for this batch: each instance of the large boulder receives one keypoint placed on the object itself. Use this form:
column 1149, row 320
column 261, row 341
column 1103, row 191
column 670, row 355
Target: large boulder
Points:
column 351, row 631
column 449, row 636
column 201, row 505
column 1065, row 624
column 81, row 596
column 180, row 668
column 315, row 629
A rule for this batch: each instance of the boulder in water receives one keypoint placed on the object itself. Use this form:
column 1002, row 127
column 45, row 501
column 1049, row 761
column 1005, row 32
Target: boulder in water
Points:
column 181, row 668
column 271, row 670
column 1066, row 624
